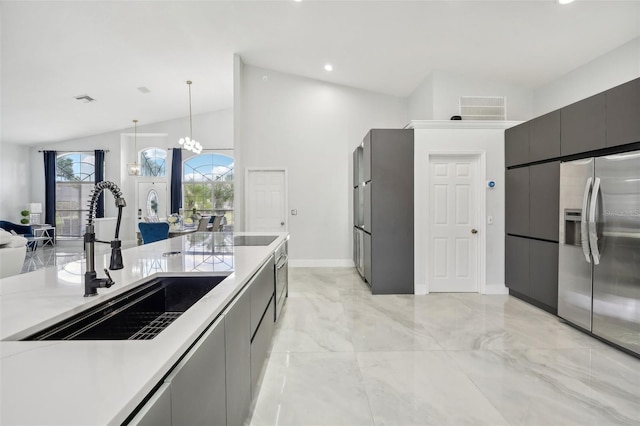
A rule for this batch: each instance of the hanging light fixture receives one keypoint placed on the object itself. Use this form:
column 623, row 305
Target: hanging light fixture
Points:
column 188, row 142
column 134, row 168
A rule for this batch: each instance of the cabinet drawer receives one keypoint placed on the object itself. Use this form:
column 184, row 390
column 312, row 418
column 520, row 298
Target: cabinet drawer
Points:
column 198, row 383
column 237, row 336
column 260, row 346
column 261, row 287
column 157, row 411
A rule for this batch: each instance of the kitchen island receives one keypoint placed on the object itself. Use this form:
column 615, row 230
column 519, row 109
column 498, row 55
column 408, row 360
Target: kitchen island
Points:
column 99, row 382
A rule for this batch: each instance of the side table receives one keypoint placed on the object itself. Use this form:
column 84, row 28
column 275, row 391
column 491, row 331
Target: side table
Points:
column 47, row 232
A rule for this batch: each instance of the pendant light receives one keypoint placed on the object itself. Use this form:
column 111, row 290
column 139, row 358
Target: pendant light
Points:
column 134, row 168
column 188, row 142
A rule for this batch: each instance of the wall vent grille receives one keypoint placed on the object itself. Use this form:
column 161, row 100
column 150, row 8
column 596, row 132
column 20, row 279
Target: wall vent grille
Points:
column 483, row 107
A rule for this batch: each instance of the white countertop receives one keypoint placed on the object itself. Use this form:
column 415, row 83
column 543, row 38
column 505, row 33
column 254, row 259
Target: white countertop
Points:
column 102, row 382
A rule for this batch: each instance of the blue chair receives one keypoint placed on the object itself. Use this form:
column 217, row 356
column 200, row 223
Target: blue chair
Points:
column 152, row 232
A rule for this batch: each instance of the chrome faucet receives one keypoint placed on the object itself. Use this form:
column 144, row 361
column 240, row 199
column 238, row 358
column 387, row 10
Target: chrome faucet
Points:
column 91, row 281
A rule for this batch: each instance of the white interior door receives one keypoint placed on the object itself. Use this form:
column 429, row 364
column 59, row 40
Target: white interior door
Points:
column 151, row 200
column 453, row 235
column 266, row 200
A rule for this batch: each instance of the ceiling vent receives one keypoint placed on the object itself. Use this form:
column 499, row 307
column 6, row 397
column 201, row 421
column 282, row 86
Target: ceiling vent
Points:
column 483, row 107
column 85, row 98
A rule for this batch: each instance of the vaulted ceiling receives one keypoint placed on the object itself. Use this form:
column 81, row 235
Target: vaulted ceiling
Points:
column 54, row 51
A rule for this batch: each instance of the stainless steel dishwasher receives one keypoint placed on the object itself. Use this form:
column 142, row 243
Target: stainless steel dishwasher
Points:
column 281, row 271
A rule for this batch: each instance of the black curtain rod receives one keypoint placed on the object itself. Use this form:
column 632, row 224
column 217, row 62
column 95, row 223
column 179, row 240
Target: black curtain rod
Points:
column 73, row 150
column 208, row 149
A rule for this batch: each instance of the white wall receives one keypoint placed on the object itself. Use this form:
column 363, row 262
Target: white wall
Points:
column 310, row 128
column 421, row 100
column 607, row 71
column 460, row 138
column 213, row 130
column 15, row 173
column 437, row 97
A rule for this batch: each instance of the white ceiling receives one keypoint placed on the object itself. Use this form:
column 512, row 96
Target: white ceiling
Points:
column 53, row 51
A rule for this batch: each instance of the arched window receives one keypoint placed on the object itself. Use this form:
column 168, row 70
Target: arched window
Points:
column 154, row 162
column 208, row 185
column 75, row 176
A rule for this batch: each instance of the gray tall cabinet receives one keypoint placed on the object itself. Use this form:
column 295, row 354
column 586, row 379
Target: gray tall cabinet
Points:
column 383, row 210
column 605, row 123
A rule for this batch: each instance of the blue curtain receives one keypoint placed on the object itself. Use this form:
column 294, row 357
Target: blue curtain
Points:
column 50, row 187
column 99, row 169
column 176, row 180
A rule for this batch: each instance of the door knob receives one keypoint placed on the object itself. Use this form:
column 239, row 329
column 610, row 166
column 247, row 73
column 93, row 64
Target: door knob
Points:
column 282, row 223
column 474, row 231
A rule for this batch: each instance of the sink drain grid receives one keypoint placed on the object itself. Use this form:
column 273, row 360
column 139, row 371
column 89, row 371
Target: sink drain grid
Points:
column 156, row 326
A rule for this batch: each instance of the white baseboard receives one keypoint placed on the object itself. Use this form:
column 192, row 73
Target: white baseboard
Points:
column 321, row 263
column 420, row 289
column 496, row 289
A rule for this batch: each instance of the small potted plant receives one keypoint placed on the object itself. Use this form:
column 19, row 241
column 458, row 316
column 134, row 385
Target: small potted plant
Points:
column 25, row 217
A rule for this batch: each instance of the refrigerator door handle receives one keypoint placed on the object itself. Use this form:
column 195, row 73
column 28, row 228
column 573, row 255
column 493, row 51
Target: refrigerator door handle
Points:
column 593, row 234
column 584, row 231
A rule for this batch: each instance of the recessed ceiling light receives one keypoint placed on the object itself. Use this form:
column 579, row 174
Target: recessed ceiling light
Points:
column 328, row 67
column 565, row 1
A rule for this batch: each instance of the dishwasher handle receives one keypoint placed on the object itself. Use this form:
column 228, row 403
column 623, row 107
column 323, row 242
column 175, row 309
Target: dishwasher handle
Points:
column 282, row 262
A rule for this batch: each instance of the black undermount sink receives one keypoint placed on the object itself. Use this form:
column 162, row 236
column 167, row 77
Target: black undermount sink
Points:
column 139, row 314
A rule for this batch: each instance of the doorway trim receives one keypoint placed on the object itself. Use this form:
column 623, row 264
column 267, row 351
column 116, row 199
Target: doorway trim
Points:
column 247, row 171
column 422, row 196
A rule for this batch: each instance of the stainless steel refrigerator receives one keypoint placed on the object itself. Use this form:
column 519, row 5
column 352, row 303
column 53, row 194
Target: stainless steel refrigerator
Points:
column 599, row 253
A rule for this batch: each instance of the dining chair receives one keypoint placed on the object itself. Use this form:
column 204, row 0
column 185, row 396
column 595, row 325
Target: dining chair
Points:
column 202, row 225
column 152, row 232
column 215, row 222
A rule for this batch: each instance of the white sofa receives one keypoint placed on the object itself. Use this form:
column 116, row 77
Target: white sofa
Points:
column 13, row 249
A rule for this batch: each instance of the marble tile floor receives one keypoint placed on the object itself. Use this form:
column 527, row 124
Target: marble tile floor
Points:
column 341, row 356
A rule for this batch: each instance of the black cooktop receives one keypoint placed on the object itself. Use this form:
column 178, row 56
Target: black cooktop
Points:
column 253, row 240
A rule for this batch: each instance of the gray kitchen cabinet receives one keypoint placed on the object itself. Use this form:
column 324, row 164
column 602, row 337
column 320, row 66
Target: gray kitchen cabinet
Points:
column 583, row 125
column 388, row 211
column 157, row 410
column 261, row 289
column 544, row 137
column 261, row 344
column 516, row 145
column 517, row 201
column 544, row 198
column 543, row 275
column 366, row 158
column 517, row 261
column 198, row 384
column 623, row 114
column 237, row 336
